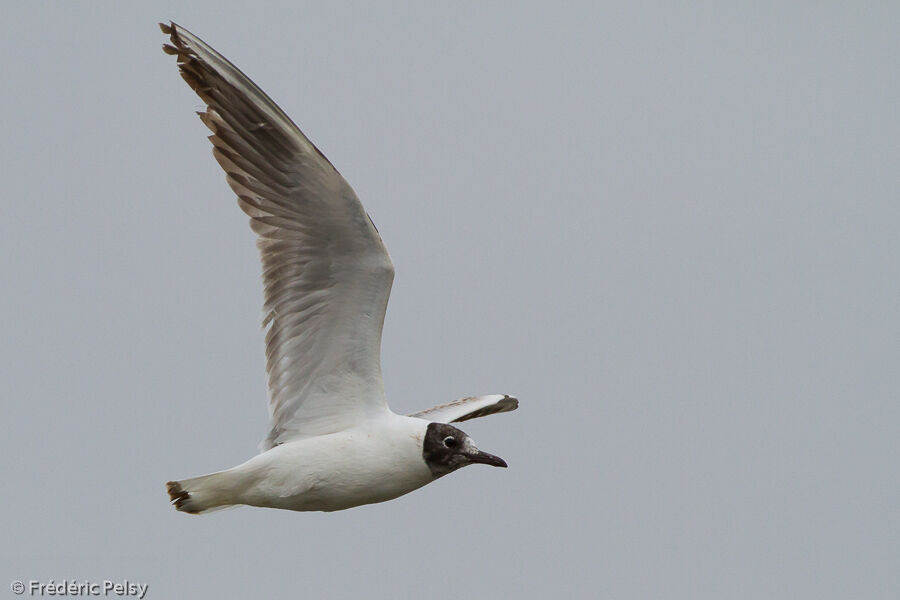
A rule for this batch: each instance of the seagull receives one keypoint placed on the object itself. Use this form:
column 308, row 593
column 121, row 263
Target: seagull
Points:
column 334, row 443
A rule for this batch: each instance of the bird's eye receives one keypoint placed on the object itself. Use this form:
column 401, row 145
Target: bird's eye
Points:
column 450, row 441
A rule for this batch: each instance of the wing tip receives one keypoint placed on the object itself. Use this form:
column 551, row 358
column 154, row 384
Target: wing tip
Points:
column 509, row 403
column 176, row 45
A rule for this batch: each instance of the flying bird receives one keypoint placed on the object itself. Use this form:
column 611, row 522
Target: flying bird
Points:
column 334, row 443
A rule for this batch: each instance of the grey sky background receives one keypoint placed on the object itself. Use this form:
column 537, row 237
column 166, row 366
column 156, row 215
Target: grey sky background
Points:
column 671, row 231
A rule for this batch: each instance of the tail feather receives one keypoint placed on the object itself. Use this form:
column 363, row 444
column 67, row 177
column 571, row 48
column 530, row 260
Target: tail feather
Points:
column 200, row 495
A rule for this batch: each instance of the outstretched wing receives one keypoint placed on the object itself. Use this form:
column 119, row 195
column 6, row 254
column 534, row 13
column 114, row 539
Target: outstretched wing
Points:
column 326, row 272
column 468, row 408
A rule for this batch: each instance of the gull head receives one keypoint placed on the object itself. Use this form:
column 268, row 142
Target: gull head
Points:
column 446, row 449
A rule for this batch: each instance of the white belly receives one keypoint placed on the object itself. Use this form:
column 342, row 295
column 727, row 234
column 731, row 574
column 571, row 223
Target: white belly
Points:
column 339, row 470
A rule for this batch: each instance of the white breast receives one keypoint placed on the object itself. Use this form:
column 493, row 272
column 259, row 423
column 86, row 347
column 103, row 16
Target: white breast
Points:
column 379, row 462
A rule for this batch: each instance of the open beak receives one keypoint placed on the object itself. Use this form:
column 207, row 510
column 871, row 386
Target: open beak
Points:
column 488, row 459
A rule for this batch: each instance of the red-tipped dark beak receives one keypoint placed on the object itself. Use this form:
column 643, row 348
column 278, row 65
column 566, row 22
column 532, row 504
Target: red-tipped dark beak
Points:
column 487, row 459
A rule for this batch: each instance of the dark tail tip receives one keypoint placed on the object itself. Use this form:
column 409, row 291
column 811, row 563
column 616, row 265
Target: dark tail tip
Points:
column 179, row 497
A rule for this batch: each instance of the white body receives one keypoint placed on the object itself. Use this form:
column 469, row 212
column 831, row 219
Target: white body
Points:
column 373, row 463
column 333, row 441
